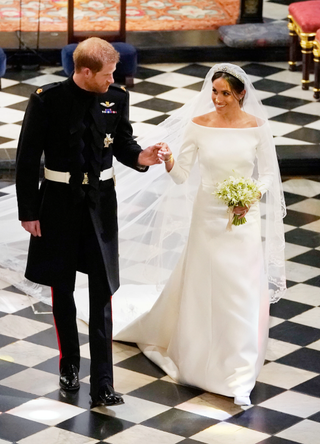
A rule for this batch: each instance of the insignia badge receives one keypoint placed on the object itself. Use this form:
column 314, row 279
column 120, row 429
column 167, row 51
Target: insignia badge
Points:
column 107, row 104
column 108, row 140
column 124, row 89
column 39, row 91
column 108, row 109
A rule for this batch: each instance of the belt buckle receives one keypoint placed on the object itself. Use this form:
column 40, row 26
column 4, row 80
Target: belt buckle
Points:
column 85, row 179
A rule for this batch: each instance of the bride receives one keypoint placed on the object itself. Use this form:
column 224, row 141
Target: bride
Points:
column 206, row 322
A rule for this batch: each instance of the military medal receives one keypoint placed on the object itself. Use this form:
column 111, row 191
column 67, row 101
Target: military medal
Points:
column 108, row 140
column 108, row 109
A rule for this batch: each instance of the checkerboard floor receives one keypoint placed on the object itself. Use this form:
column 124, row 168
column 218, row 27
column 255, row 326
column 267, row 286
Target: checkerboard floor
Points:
column 286, row 398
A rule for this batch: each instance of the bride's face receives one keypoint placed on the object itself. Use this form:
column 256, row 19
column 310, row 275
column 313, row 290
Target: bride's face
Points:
column 224, row 99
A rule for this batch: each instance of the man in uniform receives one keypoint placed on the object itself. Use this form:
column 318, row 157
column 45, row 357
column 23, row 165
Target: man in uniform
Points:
column 79, row 125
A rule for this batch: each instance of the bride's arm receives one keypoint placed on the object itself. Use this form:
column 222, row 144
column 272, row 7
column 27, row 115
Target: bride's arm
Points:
column 180, row 168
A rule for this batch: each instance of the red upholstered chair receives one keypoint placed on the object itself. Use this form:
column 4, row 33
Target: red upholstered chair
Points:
column 304, row 21
column 316, row 58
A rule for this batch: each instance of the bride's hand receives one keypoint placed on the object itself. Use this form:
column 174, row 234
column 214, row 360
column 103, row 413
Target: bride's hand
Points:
column 241, row 211
column 164, row 154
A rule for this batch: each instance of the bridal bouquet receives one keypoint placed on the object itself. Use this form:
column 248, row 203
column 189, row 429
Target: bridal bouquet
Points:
column 237, row 192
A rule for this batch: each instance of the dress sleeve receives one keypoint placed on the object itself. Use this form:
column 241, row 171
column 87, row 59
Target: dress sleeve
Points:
column 265, row 161
column 186, row 158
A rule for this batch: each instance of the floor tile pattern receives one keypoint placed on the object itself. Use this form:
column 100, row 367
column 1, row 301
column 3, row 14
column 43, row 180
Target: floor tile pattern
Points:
column 286, row 398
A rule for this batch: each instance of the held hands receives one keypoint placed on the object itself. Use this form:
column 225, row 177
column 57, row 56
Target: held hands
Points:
column 165, row 155
column 150, row 155
column 32, row 226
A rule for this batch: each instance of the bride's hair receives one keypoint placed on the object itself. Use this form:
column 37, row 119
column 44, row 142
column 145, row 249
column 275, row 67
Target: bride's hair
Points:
column 235, row 84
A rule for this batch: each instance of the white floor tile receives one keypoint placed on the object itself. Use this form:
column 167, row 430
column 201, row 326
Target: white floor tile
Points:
column 8, row 115
column 280, row 128
column 306, row 294
column 211, row 406
column 313, row 226
column 180, row 95
column 293, row 77
column 273, row 321
column 140, row 128
column 273, row 111
column 33, row 381
column 311, row 318
column 20, row 327
column 287, row 141
column 174, row 79
column 10, row 130
column 144, row 435
column 165, row 67
column 293, row 403
column 138, row 97
column 299, row 272
column 5, row 83
column 314, row 125
column 277, row 349
column 283, row 376
column 310, row 206
column 298, row 93
column 302, row 187
column 27, row 353
column 46, row 411
column 315, row 345
column 7, row 99
column 11, row 144
column 11, row 302
column 122, row 351
column 310, row 108
column 44, row 80
column 305, row 432
column 54, row 435
column 293, row 250
column 135, row 409
column 224, row 433
column 141, row 114
column 126, row 380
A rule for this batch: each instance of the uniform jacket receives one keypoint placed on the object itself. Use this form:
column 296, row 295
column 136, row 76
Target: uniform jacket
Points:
column 54, row 127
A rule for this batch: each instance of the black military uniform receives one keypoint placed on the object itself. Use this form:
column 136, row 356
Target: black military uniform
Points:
column 78, row 132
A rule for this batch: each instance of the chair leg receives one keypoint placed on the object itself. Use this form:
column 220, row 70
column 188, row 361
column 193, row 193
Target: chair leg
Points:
column 293, row 50
column 316, row 89
column 129, row 81
column 306, row 50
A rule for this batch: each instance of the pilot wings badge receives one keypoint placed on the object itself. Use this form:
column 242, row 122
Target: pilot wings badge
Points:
column 107, row 106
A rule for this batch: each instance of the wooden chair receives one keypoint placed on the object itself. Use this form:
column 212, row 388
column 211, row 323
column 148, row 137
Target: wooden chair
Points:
column 304, row 21
column 316, row 58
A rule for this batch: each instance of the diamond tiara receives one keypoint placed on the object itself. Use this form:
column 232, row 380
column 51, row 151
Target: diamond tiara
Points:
column 232, row 72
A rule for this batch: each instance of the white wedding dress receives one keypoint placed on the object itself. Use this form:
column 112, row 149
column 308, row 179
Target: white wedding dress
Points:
column 209, row 326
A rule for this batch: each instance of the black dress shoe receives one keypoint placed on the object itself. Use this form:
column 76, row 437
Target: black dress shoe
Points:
column 69, row 378
column 107, row 396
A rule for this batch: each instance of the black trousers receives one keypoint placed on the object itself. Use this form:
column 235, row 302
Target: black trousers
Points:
column 100, row 313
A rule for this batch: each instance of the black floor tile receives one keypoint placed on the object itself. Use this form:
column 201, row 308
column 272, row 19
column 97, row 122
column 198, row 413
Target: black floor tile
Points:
column 304, row 358
column 189, row 441
column 4, row 139
column 262, row 392
column 6, row 340
column 21, row 106
column 11, row 398
column 40, row 312
column 21, row 89
column 284, row 102
column 195, row 87
column 276, row 440
column 157, row 120
column 145, row 73
column 47, row 338
column 22, row 75
column 95, row 425
column 302, row 237
column 139, row 363
column 290, row 283
column 11, row 287
column 159, row 105
column 298, row 219
column 153, row 89
column 311, row 258
column 295, row 118
column 272, row 86
column 13, row 428
column 194, row 70
column 166, row 393
column 264, row 420
column 180, row 422
column 295, row 333
column 79, row 398
column 311, row 387
column 10, row 368
column 285, row 309
column 315, row 417
column 291, row 199
column 256, row 69
column 306, row 134
column 314, row 281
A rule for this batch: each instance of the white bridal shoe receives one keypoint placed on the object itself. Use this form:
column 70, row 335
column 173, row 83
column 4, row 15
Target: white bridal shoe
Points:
column 242, row 400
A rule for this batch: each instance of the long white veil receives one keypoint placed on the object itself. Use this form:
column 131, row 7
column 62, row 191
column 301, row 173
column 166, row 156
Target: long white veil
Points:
column 154, row 215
